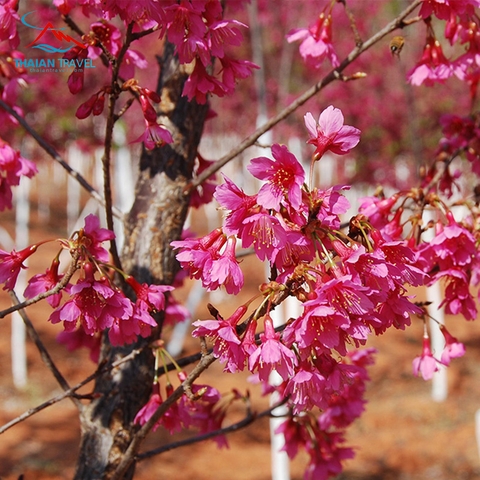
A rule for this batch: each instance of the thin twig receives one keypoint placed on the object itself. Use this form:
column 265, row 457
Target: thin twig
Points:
column 56, row 156
column 333, row 75
column 68, row 393
column 353, row 24
column 107, row 153
column 47, row 359
column 249, row 419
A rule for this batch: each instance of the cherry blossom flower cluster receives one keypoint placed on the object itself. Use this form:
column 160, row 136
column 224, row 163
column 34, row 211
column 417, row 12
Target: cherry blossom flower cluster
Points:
column 94, row 303
column 349, row 285
column 461, row 28
column 450, row 257
column 199, row 411
column 197, row 29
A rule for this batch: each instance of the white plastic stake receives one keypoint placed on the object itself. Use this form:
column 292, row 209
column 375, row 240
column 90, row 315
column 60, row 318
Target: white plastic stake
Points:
column 19, row 353
column 75, row 160
column 437, row 341
column 477, row 430
column 279, row 459
column 434, row 295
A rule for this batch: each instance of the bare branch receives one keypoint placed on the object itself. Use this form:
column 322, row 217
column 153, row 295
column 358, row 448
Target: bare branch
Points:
column 68, row 393
column 398, row 22
column 47, row 359
column 107, row 153
column 56, row 156
column 235, row 427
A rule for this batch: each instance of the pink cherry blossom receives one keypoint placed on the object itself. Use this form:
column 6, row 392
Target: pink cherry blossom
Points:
column 78, row 338
column 306, row 389
column 425, row 364
column 155, row 135
column 316, row 42
column 329, row 133
column 200, row 83
column 211, row 259
column 94, row 303
column 94, row 105
column 433, row 66
column 203, row 194
column 222, row 33
column 232, row 71
column 175, row 312
column 92, row 236
column 284, row 177
column 11, row 264
column 226, row 342
column 226, row 271
column 272, row 355
column 445, row 9
column 265, row 233
column 205, row 413
column 237, row 202
column 43, row 282
column 76, row 78
column 147, row 411
column 453, row 348
column 8, row 22
column 12, row 167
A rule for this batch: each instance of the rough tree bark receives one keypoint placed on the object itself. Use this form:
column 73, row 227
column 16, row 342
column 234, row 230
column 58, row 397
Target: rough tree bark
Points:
column 156, row 219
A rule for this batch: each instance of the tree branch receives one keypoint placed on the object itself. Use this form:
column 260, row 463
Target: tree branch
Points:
column 56, row 156
column 47, row 359
column 245, row 422
column 70, row 392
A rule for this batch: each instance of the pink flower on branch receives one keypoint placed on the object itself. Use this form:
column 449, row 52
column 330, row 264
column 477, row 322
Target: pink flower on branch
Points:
column 78, row 338
column 11, row 264
column 425, row 364
column 45, row 281
column 8, row 22
column 147, row 411
column 316, row 42
column 433, row 66
column 94, row 303
column 226, row 342
column 453, row 348
column 12, row 167
column 212, row 259
column 154, row 136
column 92, row 236
column 284, row 177
column 446, row 9
column 329, row 133
column 272, row 355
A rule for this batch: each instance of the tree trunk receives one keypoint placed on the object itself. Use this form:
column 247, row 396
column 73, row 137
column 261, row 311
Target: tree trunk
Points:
column 156, row 219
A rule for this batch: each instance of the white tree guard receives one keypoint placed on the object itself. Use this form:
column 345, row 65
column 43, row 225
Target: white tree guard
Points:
column 18, row 334
column 434, row 295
